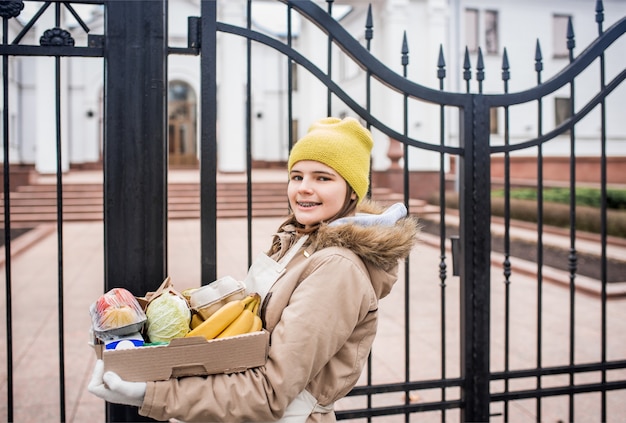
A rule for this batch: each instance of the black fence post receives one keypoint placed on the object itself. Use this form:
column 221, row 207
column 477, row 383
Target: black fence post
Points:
column 208, row 143
column 474, row 231
column 135, row 153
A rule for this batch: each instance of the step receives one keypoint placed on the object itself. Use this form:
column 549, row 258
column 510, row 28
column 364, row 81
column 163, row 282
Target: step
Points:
column 84, row 202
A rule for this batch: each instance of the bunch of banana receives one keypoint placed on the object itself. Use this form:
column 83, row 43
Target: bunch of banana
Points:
column 233, row 318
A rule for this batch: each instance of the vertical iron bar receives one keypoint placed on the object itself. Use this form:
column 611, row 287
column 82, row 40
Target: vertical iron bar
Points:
column 60, row 240
column 208, row 142
column 572, row 258
column 330, row 62
column 289, row 82
column 474, row 232
column 475, row 215
column 290, row 73
column 538, row 69
column 135, row 168
column 369, row 33
column 7, row 220
column 407, row 285
column 249, row 132
column 441, row 74
column 165, row 125
column 507, row 235
column 59, row 180
column 603, row 214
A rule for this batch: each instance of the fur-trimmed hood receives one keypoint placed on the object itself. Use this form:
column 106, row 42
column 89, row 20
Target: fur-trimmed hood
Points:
column 380, row 246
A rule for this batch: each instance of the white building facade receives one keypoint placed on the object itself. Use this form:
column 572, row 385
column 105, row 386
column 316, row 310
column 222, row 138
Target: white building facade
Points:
column 429, row 25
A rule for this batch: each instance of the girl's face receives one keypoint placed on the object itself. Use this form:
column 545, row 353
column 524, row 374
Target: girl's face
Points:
column 316, row 192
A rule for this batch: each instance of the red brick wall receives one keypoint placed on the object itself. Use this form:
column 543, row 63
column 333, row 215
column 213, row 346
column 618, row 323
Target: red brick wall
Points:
column 557, row 169
column 556, row 172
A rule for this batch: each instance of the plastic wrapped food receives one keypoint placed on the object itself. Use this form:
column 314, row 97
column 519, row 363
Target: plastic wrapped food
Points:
column 168, row 317
column 115, row 313
column 207, row 299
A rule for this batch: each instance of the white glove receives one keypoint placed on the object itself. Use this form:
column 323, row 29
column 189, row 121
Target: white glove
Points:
column 388, row 218
column 111, row 388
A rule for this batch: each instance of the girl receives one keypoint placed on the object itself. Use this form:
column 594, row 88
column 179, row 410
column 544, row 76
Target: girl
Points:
column 341, row 255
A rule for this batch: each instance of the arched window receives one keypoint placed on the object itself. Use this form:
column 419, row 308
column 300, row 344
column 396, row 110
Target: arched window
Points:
column 182, row 124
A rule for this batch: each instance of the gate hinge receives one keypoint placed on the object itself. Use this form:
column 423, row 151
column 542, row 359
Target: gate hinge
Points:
column 95, row 40
column 194, row 32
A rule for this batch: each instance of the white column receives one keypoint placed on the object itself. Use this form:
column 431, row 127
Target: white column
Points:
column 231, row 116
column 46, row 131
column 390, row 22
column 25, row 109
column 45, row 134
column 424, row 123
column 269, row 108
column 90, row 110
column 311, row 96
column 425, row 24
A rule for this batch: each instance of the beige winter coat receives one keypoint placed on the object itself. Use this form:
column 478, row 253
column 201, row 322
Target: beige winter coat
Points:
column 322, row 315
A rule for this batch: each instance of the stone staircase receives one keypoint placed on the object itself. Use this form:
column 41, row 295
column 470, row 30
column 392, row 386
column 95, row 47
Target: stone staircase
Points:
column 36, row 203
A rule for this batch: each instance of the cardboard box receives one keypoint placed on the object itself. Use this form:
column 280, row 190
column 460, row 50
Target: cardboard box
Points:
column 193, row 356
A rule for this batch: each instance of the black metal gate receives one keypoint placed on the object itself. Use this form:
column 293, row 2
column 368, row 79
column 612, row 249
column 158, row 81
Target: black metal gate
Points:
column 135, row 50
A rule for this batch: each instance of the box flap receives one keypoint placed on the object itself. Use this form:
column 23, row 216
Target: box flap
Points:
column 189, row 357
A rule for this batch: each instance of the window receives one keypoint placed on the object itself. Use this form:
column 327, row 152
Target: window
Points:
column 562, row 110
column 474, row 32
column 182, row 124
column 491, row 31
column 294, row 76
column 471, row 29
column 559, row 35
column 493, row 120
column 294, row 129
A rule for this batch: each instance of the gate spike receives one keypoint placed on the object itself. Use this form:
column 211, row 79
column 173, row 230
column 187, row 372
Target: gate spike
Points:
column 599, row 15
column 405, row 51
column 467, row 74
column 480, row 66
column 369, row 32
column 506, row 75
column 538, row 57
column 599, row 8
column 570, row 35
column 480, row 70
column 441, row 64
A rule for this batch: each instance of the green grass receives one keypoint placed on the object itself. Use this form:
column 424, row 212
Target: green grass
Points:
column 556, row 208
column 592, row 197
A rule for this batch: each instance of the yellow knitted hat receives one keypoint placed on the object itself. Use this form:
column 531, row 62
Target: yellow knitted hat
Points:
column 344, row 145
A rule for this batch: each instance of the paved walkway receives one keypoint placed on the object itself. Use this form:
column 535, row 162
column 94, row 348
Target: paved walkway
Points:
column 35, row 296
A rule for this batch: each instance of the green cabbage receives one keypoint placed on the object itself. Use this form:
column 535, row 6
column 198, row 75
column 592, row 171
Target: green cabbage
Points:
column 168, row 318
